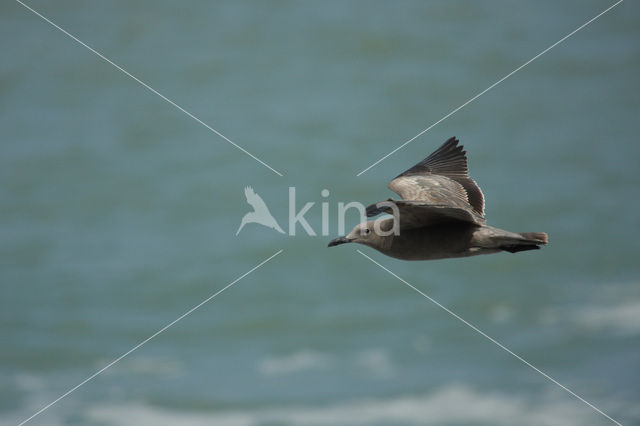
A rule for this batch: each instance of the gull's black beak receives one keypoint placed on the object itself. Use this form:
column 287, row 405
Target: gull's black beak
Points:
column 339, row 241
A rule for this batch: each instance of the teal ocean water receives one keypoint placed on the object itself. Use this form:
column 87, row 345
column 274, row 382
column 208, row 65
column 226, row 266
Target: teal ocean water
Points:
column 118, row 213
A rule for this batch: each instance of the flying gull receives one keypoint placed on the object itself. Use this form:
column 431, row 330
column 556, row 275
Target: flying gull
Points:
column 441, row 215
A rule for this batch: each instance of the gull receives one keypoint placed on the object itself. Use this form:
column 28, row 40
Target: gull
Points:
column 260, row 213
column 441, row 215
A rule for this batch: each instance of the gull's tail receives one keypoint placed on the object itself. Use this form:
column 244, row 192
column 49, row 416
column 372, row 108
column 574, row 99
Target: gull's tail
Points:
column 525, row 241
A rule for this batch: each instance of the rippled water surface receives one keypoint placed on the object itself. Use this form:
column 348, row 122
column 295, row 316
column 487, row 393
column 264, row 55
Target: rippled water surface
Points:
column 118, row 213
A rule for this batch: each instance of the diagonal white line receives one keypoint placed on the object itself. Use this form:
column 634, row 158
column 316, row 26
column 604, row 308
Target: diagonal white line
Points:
column 492, row 86
column 491, row 339
column 151, row 89
column 150, row 337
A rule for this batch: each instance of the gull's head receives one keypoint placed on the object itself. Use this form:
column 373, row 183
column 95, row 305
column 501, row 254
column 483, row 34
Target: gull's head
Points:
column 362, row 233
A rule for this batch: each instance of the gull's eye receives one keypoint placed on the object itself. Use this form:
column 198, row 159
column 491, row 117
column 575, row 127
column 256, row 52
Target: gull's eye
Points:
column 366, row 231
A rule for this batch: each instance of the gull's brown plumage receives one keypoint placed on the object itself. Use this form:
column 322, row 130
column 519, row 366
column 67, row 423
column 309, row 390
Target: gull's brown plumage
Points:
column 436, row 190
column 447, row 169
column 441, row 214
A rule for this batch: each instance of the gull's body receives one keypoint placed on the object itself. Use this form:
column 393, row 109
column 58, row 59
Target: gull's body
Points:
column 441, row 215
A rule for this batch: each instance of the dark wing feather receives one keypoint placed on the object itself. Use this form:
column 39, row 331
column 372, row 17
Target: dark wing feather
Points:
column 443, row 178
column 417, row 214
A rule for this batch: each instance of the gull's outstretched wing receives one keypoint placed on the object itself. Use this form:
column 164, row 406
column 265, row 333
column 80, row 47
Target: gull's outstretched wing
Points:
column 443, row 179
column 417, row 214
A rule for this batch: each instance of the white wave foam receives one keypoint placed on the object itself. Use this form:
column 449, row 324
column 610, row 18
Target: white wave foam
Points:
column 376, row 362
column 303, row 360
column 29, row 382
column 451, row 404
column 623, row 318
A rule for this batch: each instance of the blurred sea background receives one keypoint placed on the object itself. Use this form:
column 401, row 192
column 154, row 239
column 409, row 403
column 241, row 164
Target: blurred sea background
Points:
column 118, row 213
